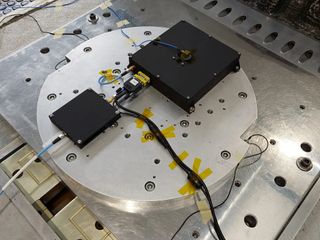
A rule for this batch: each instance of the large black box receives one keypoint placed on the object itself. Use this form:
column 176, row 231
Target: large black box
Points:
column 185, row 81
column 84, row 117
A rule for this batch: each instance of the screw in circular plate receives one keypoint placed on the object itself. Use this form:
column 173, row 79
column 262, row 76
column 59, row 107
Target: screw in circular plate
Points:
column 51, row 96
column 71, row 157
column 149, row 136
column 87, row 49
column 149, row 186
column 304, row 164
column 242, row 95
column 225, row 154
column 184, row 123
column 195, row 234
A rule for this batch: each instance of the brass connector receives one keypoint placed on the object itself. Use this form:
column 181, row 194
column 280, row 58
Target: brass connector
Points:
column 142, row 78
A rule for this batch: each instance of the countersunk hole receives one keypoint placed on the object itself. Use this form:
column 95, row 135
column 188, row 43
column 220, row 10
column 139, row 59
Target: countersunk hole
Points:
column 184, row 135
column 128, row 135
column 98, row 225
column 242, row 95
column 304, row 164
column 51, row 96
column 239, row 20
column 184, row 123
column 28, row 80
column 106, row 14
column 237, row 183
column 225, row 12
column 302, row 107
column 149, row 186
column 280, row 181
column 71, row 157
column 198, row 123
column 157, row 161
column 147, row 33
column 15, row 172
column 44, row 50
column 221, row 100
column 75, row 91
column 273, row 142
column 117, row 63
column 195, row 234
column 250, row 221
column 288, row 46
column 271, row 37
column 116, row 71
column 210, row 5
column 87, row 49
column 254, row 28
column 77, row 31
column 225, row 154
column 306, row 147
column 102, row 95
column 306, row 56
column 210, row 111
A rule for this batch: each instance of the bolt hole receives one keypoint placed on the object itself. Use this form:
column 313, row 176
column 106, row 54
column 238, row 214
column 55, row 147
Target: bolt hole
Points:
column 250, row 221
column 198, row 123
column 239, row 20
column 254, row 29
column 44, row 50
column 51, row 96
column 38, row 160
column 306, row 56
column 128, row 135
column 237, row 183
column 116, row 71
column 254, row 78
column 271, row 37
column 71, row 157
column 28, row 80
column 225, row 12
column 117, row 63
column 185, row 135
column 302, row 107
column 98, row 225
column 221, row 100
column 210, row 5
column 273, row 142
column 15, row 172
column 210, row 111
column 306, row 147
column 147, row 33
column 142, row 9
column 77, row 31
column 75, row 91
column 195, row 234
column 280, row 181
column 149, row 186
column 288, row 46
column 157, row 161
column 87, row 49
column 106, row 14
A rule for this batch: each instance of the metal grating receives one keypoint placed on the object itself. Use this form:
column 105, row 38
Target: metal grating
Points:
column 278, row 38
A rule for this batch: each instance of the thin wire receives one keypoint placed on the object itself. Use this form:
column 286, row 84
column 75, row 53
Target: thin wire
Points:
column 103, row 81
column 44, row 31
column 57, row 65
column 141, row 44
column 54, row 6
column 184, row 222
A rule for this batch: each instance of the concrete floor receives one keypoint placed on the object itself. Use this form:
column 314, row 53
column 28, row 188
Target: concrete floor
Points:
column 16, row 36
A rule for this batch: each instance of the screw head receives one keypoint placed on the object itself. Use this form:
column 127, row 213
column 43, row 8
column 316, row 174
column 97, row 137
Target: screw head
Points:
column 79, row 141
column 191, row 110
column 51, row 115
column 158, row 76
column 215, row 74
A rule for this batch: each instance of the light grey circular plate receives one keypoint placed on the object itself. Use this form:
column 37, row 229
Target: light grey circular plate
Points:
column 120, row 163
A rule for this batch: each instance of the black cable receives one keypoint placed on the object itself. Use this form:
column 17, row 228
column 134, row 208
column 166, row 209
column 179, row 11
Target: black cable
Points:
column 193, row 177
column 184, row 222
column 44, row 31
column 57, row 65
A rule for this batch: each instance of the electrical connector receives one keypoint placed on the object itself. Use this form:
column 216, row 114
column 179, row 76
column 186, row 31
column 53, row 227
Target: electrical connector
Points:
column 142, row 78
column 132, row 86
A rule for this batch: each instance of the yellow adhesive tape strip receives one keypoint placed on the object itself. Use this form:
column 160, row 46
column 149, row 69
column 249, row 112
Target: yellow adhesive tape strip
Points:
column 105, row 5
column 167, row 132
column 188, row 188
column 147, row 113
column 182, row 156
column 58, row 6
column 122, row 23
column 205, row 212
column 58, row 33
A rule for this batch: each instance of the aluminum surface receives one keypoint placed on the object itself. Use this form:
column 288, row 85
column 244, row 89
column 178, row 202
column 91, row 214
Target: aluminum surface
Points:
column 129, row 160
column 267, row 32
column 288, row 109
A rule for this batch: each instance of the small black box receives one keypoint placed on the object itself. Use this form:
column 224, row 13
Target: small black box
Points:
column 85, row 117
column 185, row 81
